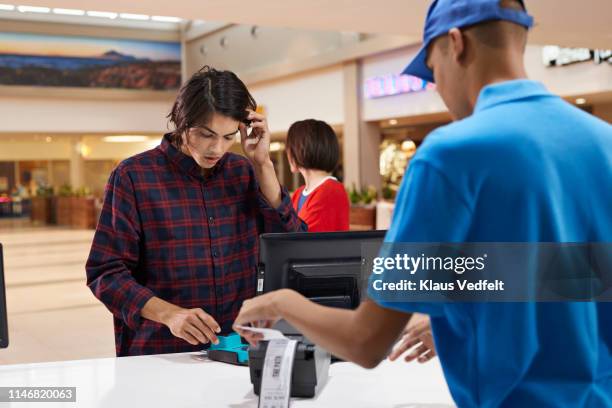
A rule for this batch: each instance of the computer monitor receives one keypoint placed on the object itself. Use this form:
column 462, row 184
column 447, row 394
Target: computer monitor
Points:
column 3, row 315
column 323, row 266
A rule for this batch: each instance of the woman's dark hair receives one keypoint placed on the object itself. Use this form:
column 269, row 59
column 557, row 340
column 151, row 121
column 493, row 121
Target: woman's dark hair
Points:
column 207, row 92
column 313, row 144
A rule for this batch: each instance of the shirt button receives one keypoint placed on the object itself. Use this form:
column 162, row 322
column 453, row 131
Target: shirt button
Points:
column 211, row 220
column 215, row 254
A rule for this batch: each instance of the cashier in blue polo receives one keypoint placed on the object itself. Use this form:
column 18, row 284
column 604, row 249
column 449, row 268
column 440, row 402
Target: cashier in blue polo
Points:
column 517, row 165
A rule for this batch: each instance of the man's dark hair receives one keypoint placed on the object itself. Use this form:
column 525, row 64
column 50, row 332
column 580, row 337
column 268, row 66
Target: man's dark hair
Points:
column 207, row 92
column 313, row 144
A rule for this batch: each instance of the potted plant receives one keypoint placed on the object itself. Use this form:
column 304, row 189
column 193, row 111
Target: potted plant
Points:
column 83, row 209
column 63, row 205
column 42, row 205
column 75, row 207
column 362, row 214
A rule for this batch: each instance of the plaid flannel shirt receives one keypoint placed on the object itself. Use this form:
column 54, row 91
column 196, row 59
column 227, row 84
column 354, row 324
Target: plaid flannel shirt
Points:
column 167, row 231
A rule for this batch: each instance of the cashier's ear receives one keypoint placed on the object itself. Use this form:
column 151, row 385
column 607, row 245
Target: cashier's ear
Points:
column 456, row 45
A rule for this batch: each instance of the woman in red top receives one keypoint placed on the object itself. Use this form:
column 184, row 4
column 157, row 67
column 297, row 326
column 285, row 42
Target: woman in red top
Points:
column 312, row 149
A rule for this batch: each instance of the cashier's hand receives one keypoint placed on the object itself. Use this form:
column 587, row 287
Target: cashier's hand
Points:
column 260, row 311
column 418, row 339
column 256, row 145
column 192, row 325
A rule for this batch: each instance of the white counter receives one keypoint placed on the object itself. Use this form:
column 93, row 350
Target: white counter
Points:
column 185, row 380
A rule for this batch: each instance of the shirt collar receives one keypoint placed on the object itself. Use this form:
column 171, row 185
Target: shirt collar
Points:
column 186, row 163
column 509, row 91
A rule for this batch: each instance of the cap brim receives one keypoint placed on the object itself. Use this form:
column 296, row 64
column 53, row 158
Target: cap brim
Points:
column 418, row 66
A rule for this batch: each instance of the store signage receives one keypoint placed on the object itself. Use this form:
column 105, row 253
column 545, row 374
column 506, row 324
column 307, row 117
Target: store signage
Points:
column 393, row 84
column 554, row 56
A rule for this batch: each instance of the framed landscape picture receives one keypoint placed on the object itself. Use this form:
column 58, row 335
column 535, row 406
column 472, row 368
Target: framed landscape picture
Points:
column 89, row 62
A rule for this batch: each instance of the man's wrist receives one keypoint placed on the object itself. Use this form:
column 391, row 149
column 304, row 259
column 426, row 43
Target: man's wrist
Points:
column 281, row 299
column 166, row 313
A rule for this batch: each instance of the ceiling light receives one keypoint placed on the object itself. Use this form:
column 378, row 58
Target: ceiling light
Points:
column 580, row 101
column 69, row 12
column 166, row 19
column 7, row 7
column 32, row 9
column 84, row 150
column 129, row 16
column 102, row 14
column 393, row 122
column 125, row 139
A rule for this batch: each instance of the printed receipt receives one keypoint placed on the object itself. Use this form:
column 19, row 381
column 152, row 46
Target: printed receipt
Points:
column 268, row 334
column 278, row 364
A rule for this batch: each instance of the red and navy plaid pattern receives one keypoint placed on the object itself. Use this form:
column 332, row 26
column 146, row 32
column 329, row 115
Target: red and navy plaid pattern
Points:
column 167, row 231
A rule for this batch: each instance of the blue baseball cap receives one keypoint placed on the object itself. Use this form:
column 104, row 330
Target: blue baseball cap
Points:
column 443, row 15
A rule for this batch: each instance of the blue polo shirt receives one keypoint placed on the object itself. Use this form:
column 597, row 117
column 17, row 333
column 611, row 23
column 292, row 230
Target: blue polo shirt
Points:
column 525, row 167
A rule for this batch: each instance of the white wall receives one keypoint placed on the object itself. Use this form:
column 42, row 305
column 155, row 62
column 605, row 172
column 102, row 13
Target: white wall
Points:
column 577, row 79
column 317, row 94
column 59, row 115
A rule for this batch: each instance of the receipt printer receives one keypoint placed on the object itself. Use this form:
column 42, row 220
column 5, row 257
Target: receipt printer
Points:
column 310, row 368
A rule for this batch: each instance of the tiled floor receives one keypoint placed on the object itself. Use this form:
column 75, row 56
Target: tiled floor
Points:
column 52, row 314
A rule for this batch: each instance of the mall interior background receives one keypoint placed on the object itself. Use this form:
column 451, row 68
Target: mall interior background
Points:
column 58, row 145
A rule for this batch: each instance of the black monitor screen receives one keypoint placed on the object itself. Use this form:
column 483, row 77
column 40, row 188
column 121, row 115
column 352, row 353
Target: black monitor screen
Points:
column 3, row 315
column 325, row 267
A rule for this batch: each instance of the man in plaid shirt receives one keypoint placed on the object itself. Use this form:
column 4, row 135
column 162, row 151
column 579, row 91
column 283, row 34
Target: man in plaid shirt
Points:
column 175, row 251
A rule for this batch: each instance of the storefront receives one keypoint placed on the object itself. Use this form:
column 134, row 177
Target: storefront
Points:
column 406, row 109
